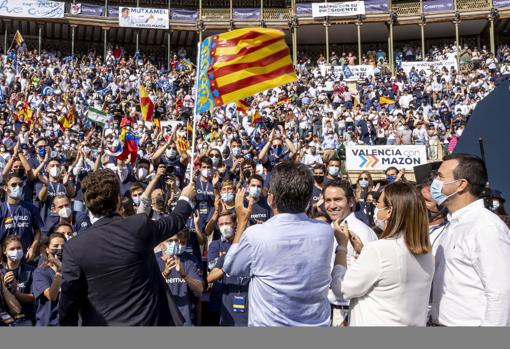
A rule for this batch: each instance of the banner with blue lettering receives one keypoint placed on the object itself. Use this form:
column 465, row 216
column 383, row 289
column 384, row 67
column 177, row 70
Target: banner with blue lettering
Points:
column 380, row 157
column 32, row 8
column 141, row 17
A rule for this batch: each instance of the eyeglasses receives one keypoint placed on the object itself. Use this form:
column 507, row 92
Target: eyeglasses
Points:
column 279, row 146
column 215, row 156
column 14, row 185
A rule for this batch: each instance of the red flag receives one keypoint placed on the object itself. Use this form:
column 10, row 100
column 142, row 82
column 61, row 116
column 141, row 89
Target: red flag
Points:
column 256, row 118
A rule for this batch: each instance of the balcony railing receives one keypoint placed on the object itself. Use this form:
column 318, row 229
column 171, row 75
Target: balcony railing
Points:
column 408, row 8
column 463, row 5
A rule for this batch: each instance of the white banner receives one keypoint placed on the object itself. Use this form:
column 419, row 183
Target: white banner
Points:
column 141, row 17
column 349, row 72
column 32, row 8
column 429, row 66
column 338, row 9
column 380, row 157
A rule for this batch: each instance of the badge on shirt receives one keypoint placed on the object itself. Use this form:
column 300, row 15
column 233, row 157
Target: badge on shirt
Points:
column 239, row 305
column 203, row 208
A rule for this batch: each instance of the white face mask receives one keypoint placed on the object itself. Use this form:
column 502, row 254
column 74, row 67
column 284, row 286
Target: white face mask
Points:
column 333, row 171
column 123, row 173
column 142, row 173
column 495, row 204
column 227, row 231
column 378, row 222
column 15, row 255
column 55, row 172
column 65, row 212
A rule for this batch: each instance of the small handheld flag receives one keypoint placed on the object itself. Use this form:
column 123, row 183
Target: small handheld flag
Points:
column 146, row 105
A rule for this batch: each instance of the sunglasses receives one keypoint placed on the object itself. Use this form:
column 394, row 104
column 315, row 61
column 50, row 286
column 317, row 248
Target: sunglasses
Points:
column 279, row 146
column 14, row 185
column 215, row 156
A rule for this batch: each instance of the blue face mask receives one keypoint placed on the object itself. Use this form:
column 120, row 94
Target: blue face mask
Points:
column 173, row 248
column 255, row 192
column 16, row 192
column 436, row 191
column 42, row 152
column 278, row 151
column 136, row 200
column 227, row 197
column 391, row 179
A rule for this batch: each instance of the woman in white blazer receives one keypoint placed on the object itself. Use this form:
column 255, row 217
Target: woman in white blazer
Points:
column 389, row 284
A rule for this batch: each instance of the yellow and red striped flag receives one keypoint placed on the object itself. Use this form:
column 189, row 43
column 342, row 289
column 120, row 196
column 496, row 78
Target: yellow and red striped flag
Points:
column 256, row 118
column 240, row 63
column 242, row 106
column 146, row 105
column 157, row 123
column 63, row 122
column 26, row 112
column 182, row 144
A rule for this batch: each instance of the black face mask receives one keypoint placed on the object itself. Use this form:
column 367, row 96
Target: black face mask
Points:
column 160, row 202
column 20, row 172
column 247, row 174
column 319, row 179
column 57, row 252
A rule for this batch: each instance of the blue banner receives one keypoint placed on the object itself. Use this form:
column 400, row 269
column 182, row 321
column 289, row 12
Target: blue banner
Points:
column 501, row 3
column 376, row 6
column 246, row 13
column 181, row 14
column 431, row 6
column 304, row 10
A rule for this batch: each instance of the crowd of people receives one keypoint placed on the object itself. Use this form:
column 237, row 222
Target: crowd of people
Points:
column 280, row 234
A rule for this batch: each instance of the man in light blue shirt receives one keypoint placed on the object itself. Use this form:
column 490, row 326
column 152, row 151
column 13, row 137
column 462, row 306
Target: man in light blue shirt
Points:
column 288, row 258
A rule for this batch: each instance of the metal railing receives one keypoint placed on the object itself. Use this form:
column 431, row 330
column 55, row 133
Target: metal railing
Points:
column 275, row 14
column 406, row 8
column 210, row 14
column 463, row 5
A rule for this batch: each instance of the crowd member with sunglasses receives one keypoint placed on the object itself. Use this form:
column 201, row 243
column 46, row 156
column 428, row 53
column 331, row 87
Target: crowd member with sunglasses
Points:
column 20, row 218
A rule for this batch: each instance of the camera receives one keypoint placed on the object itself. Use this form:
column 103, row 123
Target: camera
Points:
column 169, row 171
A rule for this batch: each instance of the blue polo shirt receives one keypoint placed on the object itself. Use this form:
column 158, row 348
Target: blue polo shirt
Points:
column 24, row 277
column 20, row 220
column 46, row 311
column 215, row 256
column 205, row 200
column 183, row 296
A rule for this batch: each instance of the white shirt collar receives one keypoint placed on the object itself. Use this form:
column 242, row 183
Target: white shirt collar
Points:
column 94, row 219
column 474, row 206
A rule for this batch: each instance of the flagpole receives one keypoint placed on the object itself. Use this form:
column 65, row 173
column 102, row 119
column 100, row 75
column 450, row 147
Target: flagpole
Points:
column 195, row 114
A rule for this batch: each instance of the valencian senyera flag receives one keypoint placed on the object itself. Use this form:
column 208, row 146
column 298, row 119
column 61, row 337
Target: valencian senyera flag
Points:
column 240, row 63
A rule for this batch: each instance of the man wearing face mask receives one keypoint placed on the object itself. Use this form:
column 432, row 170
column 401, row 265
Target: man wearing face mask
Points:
column 142, row 172
column 61, row 212
column 340, row 204
column 225, row 202
column 56, row 184
column 229, row 294
column 437, row 216
column 126, row 176
column 333, row 170
column 205, row 190
column 182, row 273
column 471, row 284
column 20, row 218
column 274, row 151
column 319, row 172
column 170, row 155
column 261, row 211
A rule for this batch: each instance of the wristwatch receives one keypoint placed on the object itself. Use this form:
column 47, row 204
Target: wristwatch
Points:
column 340, row 248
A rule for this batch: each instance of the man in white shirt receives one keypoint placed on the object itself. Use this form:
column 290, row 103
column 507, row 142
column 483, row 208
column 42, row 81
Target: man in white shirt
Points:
column 340, row 203
column 472, row 280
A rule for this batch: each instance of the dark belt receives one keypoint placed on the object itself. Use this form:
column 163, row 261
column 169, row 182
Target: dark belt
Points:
column 342, row 307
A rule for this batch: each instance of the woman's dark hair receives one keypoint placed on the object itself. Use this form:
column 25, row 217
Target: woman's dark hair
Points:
column 472, row 169
column 46, row 244
column 126, row 207
column 292, row 186
column 101, row 191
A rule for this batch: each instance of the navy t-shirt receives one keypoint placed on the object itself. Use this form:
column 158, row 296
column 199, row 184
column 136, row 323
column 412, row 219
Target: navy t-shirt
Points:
column 46, row 311
column 228, row 288
column 54, row 189
column 261, row 211
column 205, row 200
column 316, row 194
column 20, row 220
column 192, row 246
column 81, row 221
column 183, row 296
column 24, row 277
column 215, row 256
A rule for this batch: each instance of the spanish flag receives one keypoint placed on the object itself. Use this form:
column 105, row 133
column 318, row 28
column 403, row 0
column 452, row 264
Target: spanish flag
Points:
column 385, row 100
column 18, row 38
column 282, row 100
column 189, row 128
column 256, row 118
column 157, row 123
column 146, row 105
column 240, row 63
column 242, row 106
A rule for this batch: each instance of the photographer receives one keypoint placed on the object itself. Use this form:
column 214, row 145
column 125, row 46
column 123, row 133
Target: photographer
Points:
column 152, row 201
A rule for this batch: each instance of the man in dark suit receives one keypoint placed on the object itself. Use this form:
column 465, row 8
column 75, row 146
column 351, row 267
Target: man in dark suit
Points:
column 110, row 275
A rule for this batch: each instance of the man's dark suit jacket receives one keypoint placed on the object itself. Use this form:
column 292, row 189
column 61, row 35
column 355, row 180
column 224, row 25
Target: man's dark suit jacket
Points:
column 110, row 276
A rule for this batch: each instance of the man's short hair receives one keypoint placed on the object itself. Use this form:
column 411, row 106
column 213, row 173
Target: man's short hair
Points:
column 334, row 158
column 391, row 168
column 291, row 186
column 472, row 169
column 257, row 178
column 101, row 191
column 135, row 186
column 342, row 184
column 206, row 160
